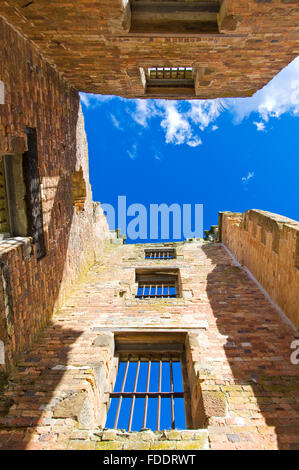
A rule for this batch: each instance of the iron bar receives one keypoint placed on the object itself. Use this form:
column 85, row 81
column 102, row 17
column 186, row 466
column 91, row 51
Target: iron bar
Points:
column 146, row 397
column 159, row 396
column 172, row 399
column 134, row 397
column 121, row 396
column 146, row 290
column 147, row 394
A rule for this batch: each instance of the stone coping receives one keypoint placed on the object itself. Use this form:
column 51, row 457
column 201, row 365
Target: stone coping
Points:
column 115, row 439
column 13, row 243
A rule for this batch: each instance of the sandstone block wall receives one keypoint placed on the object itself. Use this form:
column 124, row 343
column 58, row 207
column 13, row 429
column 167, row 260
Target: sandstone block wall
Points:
column 111, row 439
column 268, row 245
column 37, row 96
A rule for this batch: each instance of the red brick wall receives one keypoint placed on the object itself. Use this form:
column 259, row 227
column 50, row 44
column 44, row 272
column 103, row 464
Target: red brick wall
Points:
column 238, row 358
column 90, row 47
column 37, row 96
column 267, row 244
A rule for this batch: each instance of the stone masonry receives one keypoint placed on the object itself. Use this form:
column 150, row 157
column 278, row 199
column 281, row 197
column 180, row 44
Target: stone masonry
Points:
column 36, row 96
column 268, row 245
column 91, row 43
column 61, row 313
column 238, row 348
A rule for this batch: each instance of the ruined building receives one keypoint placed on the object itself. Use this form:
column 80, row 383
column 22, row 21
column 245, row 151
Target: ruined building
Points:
column 75, row 302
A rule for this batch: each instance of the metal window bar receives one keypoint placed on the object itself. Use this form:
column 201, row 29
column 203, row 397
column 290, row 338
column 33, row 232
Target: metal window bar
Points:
column 170, row 77
column 170, row 73
column 147, row 290
column 122, row 391
column 146, row 394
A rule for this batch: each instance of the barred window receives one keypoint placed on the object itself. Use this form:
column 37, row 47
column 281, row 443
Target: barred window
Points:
column 148, row 393
column 160, row 253
column 179, row 17
column 170, row 76
column 150, row 290
column 157, row 284
column 170, row 80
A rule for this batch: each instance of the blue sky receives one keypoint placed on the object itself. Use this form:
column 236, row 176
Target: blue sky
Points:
column 227, row 154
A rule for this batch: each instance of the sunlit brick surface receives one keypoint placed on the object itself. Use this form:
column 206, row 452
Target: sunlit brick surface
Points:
column 240, row 349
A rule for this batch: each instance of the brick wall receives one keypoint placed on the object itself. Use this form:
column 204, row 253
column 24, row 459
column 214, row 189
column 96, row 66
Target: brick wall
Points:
column 268, row 245
column 37, row 96
column 243, row 386
column 94, row 51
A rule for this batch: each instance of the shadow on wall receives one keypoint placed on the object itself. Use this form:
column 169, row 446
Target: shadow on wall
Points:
column 31, row 390
column 34, row 285
column 33, row 289
column 264, row 386
column 48, row 105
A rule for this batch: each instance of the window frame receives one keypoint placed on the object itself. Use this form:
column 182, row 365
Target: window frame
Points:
column 15, row 193
column 158, row 278
column 33, row 193
column 187, row 18
column 155, row 85
column 162, row 250
column 131, row 347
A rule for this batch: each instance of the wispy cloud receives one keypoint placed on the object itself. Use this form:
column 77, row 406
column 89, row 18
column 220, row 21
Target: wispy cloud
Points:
column 246, row 179
column 144, row 110
column 181, row 121
column 157, row 154
column 279, row 96
column 91, row 101
column 204, row 112
column 132, row 153
column 116, row 122
column 176, row 125
column 184, row 122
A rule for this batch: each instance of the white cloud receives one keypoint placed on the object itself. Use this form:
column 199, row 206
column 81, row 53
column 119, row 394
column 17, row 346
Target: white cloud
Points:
column 176, row 125
column 194, row 142
column 279, row 96
column 184, row 121
column 143, row 112
column 247, row 178
column 181, row 121
column 204, row 112
column 182, row 126
column 260, row 126
column 91, row 100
